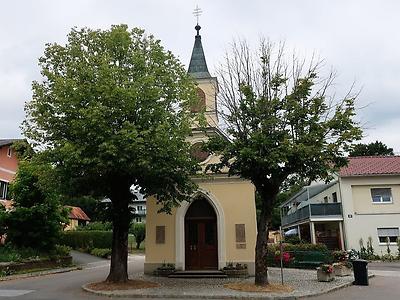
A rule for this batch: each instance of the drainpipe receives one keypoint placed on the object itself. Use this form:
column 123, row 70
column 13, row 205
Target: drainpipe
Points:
column 343, row 225
column 312, row 230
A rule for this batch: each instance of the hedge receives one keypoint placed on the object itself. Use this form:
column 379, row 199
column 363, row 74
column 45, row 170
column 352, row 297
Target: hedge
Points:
column 298, row 247
column 299, row 255
column 87, row 239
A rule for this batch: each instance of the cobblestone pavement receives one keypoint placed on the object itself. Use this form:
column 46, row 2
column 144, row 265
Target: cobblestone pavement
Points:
column 304, row 283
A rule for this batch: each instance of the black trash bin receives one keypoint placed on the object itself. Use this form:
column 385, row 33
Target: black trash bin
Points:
column 360, row 268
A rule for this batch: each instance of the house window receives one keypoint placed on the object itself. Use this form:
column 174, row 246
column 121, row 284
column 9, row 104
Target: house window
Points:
column 9, row 152
column 138, row 220
column 139, row 208
column 381, row 195
column 326, row 199
column 334, row 197
column 388, row 233
column 3, row 189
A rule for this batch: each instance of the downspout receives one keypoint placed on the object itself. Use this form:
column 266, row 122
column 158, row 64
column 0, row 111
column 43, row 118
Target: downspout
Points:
column 341, row 204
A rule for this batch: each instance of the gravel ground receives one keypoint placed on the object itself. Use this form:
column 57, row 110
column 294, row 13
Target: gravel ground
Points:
column 304, row 283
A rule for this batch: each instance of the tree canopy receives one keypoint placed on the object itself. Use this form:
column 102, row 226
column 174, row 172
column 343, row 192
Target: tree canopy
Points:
column 371, row 149
column 281, row 122
column 112, row 110
column 37, row 217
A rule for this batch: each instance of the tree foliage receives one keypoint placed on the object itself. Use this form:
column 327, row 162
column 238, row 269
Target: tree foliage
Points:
column 371, row 149
column 139, row 232
column 37, row 217
column 281, row 122
column 112, row 110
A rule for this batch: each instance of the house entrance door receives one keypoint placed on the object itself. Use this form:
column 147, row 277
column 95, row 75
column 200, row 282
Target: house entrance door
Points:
column 201, row 246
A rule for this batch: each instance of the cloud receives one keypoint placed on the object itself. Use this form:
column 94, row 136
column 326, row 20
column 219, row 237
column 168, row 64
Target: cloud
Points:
column 358, row 38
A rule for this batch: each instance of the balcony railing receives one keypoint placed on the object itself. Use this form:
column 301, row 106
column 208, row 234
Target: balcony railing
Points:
column 313, row 210
column 140, row 212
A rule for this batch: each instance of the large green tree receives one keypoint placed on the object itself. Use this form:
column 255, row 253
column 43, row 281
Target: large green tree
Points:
column 371, row 149
column 281, row 122
column 112, row 110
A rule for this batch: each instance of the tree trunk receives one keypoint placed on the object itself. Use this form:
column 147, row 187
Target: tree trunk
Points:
column 138, row 245
column 261, row 268
column 119, row 255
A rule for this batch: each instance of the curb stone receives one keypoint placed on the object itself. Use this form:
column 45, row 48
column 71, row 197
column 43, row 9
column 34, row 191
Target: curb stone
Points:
column 256, row 296
column 39, row 273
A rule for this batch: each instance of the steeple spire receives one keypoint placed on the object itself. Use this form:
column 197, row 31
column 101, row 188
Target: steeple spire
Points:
column 198, row 66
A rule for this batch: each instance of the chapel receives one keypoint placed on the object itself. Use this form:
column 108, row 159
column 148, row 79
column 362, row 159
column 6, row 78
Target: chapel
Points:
column 218, row 226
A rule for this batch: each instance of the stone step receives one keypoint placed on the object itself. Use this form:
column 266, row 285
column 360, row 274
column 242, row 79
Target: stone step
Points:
column 198, row 274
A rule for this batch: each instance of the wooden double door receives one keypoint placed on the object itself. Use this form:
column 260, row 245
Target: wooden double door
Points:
column 201, row 244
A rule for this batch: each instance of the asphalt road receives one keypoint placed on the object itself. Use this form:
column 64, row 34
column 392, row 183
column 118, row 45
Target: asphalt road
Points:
column 66, row 286
column 385, row 285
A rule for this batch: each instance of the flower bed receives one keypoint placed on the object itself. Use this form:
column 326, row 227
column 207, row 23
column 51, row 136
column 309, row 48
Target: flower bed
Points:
column 8, row 268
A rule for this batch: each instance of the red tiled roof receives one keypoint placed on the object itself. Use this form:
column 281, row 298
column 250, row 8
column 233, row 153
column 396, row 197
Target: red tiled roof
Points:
column 371, row 165
column 77, row 213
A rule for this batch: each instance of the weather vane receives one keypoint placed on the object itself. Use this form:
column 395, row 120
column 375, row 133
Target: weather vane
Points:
column 197, row 13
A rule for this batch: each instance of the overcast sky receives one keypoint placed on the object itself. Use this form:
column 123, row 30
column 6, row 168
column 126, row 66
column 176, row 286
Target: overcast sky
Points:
column 359, row 39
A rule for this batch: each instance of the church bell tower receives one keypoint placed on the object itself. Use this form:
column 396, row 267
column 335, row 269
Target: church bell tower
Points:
column 207, row 86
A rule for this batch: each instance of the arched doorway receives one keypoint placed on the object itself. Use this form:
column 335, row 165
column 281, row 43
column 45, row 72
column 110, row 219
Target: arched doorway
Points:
column 201, row 242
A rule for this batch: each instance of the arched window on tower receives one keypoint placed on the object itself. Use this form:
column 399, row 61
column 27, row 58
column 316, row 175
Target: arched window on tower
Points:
column 201, row 103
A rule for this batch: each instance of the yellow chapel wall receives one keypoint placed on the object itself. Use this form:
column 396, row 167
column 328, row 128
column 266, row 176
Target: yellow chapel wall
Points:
column 235, row 197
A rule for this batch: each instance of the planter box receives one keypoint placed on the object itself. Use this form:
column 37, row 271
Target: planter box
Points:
column 163, row 272
column 242, row 273
column 325, row 277
column 341, row 270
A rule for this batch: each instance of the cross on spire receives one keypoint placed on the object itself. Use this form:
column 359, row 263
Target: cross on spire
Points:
column 197, row 12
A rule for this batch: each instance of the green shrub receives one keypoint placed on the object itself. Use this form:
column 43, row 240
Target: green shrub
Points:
column 11, row 253
column 35, row 221
column 101, row 252
column 97, row 226
column 298, row 247
column 294, row 239
column 62, row 250
column 138, row 230
column 87, row 239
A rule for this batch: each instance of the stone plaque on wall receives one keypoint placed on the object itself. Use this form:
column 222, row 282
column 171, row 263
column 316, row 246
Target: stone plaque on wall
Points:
column 240, row 233
column 160, row 234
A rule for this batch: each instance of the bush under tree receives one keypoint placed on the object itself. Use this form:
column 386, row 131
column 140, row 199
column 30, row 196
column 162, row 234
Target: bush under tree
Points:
column 138, row 230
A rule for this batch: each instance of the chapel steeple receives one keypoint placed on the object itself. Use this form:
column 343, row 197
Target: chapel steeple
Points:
column 207, row 85
column 198, row 65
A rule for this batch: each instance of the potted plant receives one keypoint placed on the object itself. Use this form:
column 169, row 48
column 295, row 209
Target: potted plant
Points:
column 325, row 273
column 342, row 265
column 236, row 270
column 165, row 270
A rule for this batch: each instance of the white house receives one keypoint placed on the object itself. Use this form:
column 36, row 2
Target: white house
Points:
column 363, row 202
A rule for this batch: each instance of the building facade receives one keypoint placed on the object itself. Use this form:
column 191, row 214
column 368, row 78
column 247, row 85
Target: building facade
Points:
column 139, row 206
column 362, row 203
column 8, row 166
column 219, row 224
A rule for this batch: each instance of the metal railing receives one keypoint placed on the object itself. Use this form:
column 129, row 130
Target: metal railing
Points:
column 320, row 209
